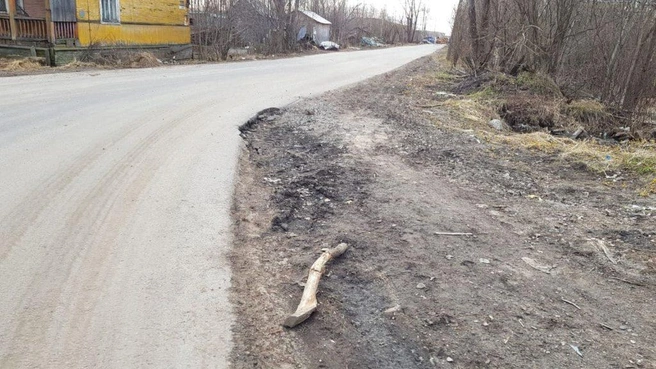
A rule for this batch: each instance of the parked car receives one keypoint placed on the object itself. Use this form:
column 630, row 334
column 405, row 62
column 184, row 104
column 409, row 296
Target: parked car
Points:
column 428, row 40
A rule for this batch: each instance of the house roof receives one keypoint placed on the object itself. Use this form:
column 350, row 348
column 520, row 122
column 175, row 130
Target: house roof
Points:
column 316, row 17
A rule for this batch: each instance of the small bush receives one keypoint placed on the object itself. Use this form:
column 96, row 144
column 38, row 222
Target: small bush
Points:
column 539, row 84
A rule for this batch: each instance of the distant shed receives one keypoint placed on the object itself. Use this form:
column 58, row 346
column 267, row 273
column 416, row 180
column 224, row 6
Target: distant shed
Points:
column 312, row 26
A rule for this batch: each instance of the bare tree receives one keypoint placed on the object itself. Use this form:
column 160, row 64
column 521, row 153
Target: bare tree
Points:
column 272, row 25
column 411, row 10
column 214, row 27
column 600, row 48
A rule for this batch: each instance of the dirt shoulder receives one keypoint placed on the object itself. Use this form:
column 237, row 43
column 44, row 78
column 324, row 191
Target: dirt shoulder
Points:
column 560, row 271
column 12, row 67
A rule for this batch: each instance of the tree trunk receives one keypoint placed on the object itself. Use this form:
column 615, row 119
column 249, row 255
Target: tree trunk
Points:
column 642, row 39
column 631, row 97
column 612, row 63
column 485, row 42
column 473, row 34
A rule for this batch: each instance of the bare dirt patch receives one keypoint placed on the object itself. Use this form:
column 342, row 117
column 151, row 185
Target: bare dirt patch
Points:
column 560, row 271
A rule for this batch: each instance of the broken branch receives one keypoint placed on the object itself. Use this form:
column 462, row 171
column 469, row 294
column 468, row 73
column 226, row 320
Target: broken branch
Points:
column 308, row 302
column 628, row 282
column 605, row 250
column 453, row 234
column 606, row 326
column 571, row 303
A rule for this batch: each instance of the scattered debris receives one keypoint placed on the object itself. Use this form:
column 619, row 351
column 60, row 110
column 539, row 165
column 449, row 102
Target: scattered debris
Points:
column 394, row 309
column 421, row 286
column 309, row 299
column 371, row 42
column 576, row 349
column 329, row 45
column 484, row 261
column 535, row 265
column 571, row 303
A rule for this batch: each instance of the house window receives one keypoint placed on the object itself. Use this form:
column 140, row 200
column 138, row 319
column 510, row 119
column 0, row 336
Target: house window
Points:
column 109, row 11
column 3, row 6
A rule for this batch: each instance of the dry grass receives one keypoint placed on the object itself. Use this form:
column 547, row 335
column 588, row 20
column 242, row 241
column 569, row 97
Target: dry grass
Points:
column 76, row 64
column 120, row 59
column 473, row 112
column 650, row 189
column 588, row 111
column 20, row 65
column 468, row 113
column 638, row 158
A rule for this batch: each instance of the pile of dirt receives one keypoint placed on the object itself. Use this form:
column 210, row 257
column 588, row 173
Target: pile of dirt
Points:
column 144, row 60
column 552, row 266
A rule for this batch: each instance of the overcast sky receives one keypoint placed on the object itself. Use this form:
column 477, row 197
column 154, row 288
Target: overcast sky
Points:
column 441, row 11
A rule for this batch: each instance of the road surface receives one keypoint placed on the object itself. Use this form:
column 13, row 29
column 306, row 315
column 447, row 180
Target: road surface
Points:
column 115, row 193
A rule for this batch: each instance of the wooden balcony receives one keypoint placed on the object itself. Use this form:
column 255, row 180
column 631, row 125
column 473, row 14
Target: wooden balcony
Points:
column 32, row 29
column 36, row 29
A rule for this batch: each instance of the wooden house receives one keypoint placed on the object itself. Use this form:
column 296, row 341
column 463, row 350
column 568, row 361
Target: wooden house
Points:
column 60, row 24
column 312, row 26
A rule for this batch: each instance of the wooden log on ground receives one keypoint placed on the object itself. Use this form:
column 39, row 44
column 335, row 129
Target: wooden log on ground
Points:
column 578, row 133
column 308, row 302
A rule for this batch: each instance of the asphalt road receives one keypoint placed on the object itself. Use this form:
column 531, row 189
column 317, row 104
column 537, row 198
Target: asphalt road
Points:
column 115, row 193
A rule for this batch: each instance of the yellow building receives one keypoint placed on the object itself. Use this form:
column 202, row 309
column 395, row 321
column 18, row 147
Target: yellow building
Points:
column 133, row 22
column 81, row 23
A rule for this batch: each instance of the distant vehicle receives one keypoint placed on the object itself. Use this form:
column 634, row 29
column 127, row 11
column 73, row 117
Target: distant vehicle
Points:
column 428, row 40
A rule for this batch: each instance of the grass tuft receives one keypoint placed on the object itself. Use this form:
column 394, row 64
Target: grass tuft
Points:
column 650, row 189
column 587, row 111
